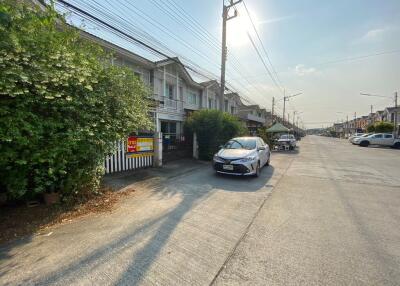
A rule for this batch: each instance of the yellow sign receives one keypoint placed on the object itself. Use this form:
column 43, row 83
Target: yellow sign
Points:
column 138, row 155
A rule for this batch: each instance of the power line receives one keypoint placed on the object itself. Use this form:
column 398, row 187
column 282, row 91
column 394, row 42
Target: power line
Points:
column 261, row 42
column 135, row 40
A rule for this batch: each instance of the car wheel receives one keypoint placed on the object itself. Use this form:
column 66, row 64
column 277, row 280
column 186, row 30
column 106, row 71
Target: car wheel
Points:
column 364, row 144
column 396, row 145
column 257, row 174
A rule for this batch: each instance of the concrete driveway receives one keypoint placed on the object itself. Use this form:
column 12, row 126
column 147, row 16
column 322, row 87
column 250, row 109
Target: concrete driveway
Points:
column 179, row 228
column 326, row 215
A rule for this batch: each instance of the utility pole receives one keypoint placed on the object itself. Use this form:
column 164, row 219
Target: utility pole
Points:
column 286, row 98
column 347, row 125
column 294, row 114
column 273, row 106
column 284, row 105
column 372, row 108
column 395, row 132
column 355, row 122
column 225, row 18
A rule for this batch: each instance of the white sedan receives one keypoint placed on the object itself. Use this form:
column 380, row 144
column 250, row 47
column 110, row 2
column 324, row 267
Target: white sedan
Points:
column 242, row 156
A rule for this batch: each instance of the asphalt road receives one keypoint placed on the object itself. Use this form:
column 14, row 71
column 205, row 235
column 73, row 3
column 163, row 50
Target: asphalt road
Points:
column 325, row 215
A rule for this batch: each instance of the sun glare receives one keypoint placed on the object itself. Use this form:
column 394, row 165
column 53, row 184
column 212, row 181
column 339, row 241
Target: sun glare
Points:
column 237, row 29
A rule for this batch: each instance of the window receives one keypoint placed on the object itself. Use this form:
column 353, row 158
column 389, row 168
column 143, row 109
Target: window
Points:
column 226, row 105
column 388, row 136
column 209, row 103
column 378, row 136
column 170, row 90
column 232, row 109
column 192, row 98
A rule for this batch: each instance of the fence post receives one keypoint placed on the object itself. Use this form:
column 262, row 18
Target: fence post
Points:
column 158, row 146
column 195, row 147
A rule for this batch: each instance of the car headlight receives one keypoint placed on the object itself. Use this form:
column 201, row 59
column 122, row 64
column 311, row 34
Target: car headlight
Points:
column 247, row 159
column 216, row 158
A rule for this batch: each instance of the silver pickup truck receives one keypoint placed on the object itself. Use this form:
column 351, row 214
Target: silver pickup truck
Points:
column 382, row 139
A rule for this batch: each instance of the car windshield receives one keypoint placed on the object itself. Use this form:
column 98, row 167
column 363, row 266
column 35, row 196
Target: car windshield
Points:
column 286, row 137
column 241, row 143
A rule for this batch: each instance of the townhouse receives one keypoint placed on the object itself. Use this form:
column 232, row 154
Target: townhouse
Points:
column 176, row 94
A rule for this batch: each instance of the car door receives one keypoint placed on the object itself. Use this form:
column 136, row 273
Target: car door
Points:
column 263, row 152
column 388, row 139
column 377, row 139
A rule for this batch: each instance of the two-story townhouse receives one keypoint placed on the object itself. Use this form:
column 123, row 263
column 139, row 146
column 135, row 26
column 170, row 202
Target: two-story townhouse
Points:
column 177, row 94
column 253, row 115
column 390, row 113
column 378, row 116
column 211, row 90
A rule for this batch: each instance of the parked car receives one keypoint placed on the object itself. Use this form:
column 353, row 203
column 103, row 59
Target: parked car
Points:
column 242, row 156
column 382, row 139
column 288, row 139
column 354, row 136
column 361, row 136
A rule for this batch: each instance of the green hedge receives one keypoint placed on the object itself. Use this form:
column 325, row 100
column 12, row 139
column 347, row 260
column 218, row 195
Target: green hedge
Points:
column 213, row 128
column 62, row 106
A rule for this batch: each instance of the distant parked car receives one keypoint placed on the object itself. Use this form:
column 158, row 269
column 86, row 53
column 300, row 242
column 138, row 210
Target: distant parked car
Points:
column 354, row 136
column 288, row 139
column 242, row 156
column 382, row 139
column 361, row 136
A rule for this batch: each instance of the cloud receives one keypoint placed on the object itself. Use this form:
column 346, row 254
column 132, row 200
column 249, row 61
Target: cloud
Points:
column 302, row 70
column 377, row 34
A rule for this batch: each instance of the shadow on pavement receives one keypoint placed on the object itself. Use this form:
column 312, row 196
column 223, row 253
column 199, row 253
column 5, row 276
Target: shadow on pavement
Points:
column 203, row 183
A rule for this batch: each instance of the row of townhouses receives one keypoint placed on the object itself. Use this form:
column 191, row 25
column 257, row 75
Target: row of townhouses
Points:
column 177, row 94
column 360, row 124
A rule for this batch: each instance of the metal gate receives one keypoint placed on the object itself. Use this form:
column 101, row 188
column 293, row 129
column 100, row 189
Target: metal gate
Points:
column 176, row 147
column 119, row 162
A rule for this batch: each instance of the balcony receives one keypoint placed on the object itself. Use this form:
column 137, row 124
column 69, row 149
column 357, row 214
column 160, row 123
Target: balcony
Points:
column 252, row 117
column 168, row 104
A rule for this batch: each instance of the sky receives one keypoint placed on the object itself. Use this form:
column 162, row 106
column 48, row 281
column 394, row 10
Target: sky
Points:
column 329, row 51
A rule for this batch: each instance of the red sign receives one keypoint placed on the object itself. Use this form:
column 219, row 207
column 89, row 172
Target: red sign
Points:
column 131, row 146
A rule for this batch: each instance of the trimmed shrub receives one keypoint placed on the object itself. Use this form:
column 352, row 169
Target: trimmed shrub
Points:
column 62, row 106
column 371, row 128
column 213, row 128
column 383, row 127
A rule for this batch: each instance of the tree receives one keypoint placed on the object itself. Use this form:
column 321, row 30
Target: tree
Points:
column 213, row 128
column 383, row 127
column 62, row 105
column 371, row 128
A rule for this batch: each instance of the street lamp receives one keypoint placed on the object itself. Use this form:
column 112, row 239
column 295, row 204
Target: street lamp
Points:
column 395, row 108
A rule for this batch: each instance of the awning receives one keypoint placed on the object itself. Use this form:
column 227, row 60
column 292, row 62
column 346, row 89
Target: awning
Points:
column 277, row 128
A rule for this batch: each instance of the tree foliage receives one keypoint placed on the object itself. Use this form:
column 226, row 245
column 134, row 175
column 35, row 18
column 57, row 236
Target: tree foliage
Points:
column 213, row 128
column 62, row 106
column 383, row 127
column 371, row 128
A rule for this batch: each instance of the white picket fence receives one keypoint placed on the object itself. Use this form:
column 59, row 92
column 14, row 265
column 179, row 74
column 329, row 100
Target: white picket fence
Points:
column 119, row 162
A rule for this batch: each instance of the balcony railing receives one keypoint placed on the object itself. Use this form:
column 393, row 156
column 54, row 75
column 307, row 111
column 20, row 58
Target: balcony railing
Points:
column 255, row 118
column 164, row 102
